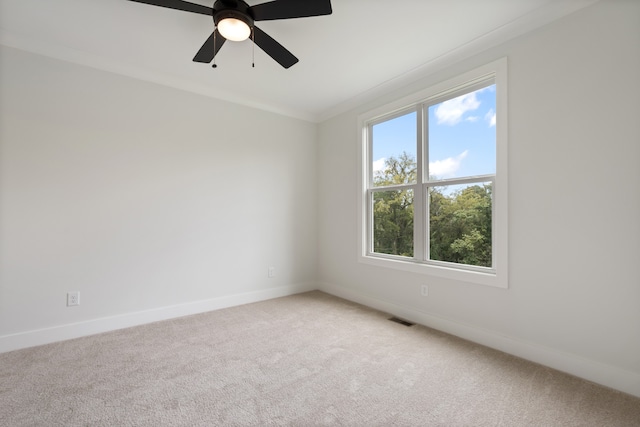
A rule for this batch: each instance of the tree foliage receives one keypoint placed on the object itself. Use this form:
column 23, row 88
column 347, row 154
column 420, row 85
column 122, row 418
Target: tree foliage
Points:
column 393, row 209
column 460, row 225
column 459, row 221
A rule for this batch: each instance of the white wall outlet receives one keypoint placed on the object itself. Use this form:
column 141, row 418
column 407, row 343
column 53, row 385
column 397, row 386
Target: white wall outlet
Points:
column 73, row 298
column 272, row 272
column 424, row 290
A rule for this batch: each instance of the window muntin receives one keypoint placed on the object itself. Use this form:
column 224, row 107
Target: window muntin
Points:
column 478, row 169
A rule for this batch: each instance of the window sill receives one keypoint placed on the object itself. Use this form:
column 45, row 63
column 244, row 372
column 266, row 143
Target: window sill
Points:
column 491, row 277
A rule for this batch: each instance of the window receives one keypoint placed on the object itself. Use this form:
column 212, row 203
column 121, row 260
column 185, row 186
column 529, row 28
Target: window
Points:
column 434, row 180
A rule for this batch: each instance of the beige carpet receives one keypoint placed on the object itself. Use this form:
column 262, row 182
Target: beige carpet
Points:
column 305, row 360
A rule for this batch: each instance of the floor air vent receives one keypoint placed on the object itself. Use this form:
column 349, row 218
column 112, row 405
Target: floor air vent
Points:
column 401, row 321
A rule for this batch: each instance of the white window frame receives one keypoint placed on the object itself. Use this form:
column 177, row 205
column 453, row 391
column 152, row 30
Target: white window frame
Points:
column 497, row 275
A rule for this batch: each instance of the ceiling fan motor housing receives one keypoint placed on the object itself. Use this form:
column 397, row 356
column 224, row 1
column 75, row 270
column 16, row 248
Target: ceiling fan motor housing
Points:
column 223, row 9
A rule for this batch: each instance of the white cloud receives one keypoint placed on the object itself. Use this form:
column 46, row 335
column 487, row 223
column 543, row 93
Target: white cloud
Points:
column 490, row 117
column 472, row 119
column 378, row 165
column 447, row 167
column 450, row 112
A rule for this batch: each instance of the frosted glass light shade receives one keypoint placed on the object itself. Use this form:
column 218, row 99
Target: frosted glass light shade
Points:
column 234, row 29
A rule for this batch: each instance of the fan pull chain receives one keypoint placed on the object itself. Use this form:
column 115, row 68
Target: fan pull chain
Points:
column 253, row 48
column 215, row 38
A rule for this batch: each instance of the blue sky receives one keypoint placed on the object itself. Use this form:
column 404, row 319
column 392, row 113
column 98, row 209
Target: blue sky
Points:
column 461, row 136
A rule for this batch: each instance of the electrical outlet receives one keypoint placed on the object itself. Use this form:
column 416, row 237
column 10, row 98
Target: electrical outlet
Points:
column 272, row 272
column 73, row 298
column 424, row 290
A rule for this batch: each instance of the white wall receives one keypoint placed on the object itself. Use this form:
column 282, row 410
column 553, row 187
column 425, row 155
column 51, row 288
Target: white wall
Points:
column 574, row 152
column 142, row 197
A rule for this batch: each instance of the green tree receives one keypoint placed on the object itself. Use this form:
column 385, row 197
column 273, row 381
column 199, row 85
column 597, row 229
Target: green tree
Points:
column 393, row 209
column 460, row 225
column 402, row 170
column 459, row 221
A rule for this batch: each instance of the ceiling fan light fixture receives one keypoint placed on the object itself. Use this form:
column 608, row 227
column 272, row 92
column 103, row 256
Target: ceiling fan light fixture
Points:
column 234, row 29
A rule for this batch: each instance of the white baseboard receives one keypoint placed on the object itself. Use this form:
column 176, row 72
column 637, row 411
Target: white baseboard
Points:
column 112, row 323
column 600, row 373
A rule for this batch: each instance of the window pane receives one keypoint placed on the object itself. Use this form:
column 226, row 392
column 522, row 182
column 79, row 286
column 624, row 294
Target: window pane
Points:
column 394, row 151
column 393, row 222
column 462, row 135
column 460, row 223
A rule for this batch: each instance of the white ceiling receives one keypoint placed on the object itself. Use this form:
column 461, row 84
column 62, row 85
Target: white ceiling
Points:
column 363, row 48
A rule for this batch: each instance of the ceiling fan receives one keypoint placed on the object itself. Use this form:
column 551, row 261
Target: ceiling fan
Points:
column 234, row 20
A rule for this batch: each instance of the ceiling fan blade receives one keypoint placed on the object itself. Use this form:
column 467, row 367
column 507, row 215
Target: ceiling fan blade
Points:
column 179, row 5
column 274, row 49
column 285, row 9
column 210, row 48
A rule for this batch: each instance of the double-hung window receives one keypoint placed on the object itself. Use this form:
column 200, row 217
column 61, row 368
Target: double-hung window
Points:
column 434, row 180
